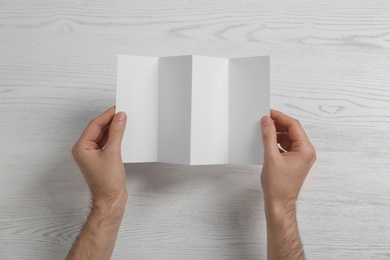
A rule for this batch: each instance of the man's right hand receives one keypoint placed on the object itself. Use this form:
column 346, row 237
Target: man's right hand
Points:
column 284, row 171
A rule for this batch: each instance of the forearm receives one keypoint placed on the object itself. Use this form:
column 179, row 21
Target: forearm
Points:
column 282, row 233
column 98, row 236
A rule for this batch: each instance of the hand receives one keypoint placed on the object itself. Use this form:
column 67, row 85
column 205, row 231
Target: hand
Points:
column 284, row 172
column 98, row 155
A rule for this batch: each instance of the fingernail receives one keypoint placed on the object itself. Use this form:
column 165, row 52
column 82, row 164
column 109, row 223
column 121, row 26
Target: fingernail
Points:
column 265, row 120
column 120, row 116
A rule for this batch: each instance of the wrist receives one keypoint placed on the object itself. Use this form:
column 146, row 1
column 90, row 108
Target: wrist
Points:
column 279, row 208
column 280, row 217
column 112, row 208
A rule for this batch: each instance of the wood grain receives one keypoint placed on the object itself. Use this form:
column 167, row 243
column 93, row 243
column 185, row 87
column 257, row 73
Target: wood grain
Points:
column 329, row 68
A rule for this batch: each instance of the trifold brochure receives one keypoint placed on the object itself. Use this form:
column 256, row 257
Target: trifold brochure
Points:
column 193, row 110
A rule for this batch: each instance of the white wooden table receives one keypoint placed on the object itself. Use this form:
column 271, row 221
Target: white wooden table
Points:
column 330, row 68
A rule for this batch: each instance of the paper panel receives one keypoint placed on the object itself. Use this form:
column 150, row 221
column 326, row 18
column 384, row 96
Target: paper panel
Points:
column 174, row 133
column 248, row 102
column 137, row 95
column 209, row 118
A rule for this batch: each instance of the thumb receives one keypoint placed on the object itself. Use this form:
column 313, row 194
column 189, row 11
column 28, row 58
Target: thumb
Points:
column 117, row 129
column 268, row 133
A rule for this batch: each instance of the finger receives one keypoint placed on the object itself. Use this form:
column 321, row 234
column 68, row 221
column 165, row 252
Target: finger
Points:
column 280, row 136
column 268, row 133
column 286, row 144
column 103, row 140
column 281, row 149
column 94, row 130
column 294, row 128
column 284, row 141
column 280, row 128
column 116, row 132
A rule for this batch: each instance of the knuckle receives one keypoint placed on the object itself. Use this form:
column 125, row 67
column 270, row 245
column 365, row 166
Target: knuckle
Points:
column 267, row 134
column 310, row 153
column 267, row 137
column 76, row 150
column 314, row 155
column 297, row 122
column 92, row 122
column 116, row 129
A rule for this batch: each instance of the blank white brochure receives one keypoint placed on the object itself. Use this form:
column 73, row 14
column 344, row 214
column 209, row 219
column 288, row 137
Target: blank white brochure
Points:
column 193, row 109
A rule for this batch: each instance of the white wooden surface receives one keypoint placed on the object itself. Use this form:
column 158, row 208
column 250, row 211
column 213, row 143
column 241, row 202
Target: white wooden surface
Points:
column 330, row 69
